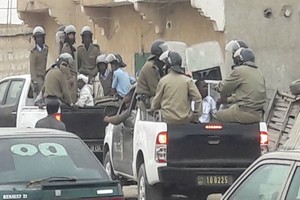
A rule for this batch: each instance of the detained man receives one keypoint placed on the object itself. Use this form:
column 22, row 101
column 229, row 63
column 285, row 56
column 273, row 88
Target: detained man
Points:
column 86, row 92
column 208, row 106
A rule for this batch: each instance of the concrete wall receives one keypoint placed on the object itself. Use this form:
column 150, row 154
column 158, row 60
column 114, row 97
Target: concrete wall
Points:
column 129, row 32
column 15, row 43
column 275, row 40
column 136, row 35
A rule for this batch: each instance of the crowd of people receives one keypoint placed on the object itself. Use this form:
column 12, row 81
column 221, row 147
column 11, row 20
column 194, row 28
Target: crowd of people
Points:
column 81, row 75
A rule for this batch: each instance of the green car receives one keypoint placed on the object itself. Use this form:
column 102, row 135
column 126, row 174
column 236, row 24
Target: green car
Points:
column 46, row 164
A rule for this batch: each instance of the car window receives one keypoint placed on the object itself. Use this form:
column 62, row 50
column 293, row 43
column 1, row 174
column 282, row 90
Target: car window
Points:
column 14, row 92
column 294, row 189
column 3, row 87
column 27, row 159
column 264, row 183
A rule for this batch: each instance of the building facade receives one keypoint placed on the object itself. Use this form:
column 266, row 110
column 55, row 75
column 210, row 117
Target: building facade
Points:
column 15, row 44
column 270, row 28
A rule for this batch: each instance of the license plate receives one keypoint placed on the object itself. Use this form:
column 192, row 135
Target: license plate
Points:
column 215, row 180
column 95, row 147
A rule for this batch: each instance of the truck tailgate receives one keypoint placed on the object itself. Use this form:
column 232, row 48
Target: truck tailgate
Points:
column 194, row 145
column 87, row 123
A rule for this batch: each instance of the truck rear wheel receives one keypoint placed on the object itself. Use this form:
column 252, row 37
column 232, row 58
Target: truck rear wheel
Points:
column 147, row 191
column 108, row 167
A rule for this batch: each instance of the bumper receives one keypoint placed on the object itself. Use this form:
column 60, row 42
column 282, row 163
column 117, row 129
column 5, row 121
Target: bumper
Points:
column 188, row 178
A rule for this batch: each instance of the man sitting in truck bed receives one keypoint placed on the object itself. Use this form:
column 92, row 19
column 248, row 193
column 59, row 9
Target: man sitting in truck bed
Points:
column 246, row 85
column 174, row 93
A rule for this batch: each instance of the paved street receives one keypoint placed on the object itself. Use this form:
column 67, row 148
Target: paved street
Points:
column 130, row 193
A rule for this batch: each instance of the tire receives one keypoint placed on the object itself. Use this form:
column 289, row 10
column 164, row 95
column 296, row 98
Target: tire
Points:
column 295, row 87
column 147, row 191
column 108, row 167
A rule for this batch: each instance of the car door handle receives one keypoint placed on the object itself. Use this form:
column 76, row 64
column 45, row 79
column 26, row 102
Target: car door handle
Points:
column 213, row 140
column 14, row 113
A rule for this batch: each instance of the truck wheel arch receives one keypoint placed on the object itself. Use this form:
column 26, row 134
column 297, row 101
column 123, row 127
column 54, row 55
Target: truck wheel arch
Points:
column 139, row 161
column 105, row 150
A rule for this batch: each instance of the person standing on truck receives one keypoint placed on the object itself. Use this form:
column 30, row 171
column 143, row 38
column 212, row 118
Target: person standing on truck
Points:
column 174, row 94
column 86, row 92
column 150, row 74
column 56, row 84
column 245, row 88
column 52, row 106
column 68, row 46
column 87, row 53
column 122, row 81
column 103, row 80
column 38, row 60
column 60, row 37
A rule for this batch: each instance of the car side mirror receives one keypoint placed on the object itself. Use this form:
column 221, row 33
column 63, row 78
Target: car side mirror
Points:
column 110, row 111
column 215, row 196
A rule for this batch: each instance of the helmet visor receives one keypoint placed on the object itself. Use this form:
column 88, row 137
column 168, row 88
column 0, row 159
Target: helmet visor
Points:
column 232, row 46
column 163, row 47
column 164, row 56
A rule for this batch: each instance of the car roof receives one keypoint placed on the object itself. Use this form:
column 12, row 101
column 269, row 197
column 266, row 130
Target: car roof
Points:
column 24, row 76
column 293, row 155
column 33, row 132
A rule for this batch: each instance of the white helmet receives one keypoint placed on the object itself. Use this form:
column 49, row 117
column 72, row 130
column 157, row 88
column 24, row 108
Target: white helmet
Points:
column 101, row 59
column 38, row 30
column 70, row 29
column 86, row 30
column 66, row 57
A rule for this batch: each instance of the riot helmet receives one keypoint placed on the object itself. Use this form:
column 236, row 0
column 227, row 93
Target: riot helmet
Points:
column 86, row 30
column 172, row 60
column 38, row 30
column 157, row 48
column 65, row 57
column 70, row 29
column 244, row 56
column 101, row 59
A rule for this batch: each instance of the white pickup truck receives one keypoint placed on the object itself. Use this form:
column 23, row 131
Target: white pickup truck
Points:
column 17, row 103
column 192, row 159
column 17, row 110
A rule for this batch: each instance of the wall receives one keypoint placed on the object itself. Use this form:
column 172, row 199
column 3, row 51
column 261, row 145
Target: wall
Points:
column 15, row 43
column 274, row 40
column 131, row 34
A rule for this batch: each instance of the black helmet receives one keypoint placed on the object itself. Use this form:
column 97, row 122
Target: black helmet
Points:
column 244, row 56
column 157, row 48
column 173, row 60
column 234, row 45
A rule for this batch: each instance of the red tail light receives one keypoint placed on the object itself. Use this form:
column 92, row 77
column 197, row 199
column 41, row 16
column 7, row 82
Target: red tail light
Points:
column 162, row 138
column 58, row 116
column 213, row 127
column 161, row 147
column 264, row 138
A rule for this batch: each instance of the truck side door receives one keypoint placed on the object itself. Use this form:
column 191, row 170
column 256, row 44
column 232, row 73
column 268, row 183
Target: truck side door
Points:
column 10, row 92
column 122, row 154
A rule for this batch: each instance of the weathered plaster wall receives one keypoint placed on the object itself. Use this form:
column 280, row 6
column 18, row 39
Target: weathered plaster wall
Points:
column 275, row 40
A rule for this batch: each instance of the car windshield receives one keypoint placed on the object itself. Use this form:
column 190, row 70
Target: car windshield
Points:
column 264, row 183
column 29, row 159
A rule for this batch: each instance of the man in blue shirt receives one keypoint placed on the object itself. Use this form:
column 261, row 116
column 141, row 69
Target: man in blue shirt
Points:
column 122, row 81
